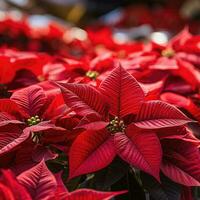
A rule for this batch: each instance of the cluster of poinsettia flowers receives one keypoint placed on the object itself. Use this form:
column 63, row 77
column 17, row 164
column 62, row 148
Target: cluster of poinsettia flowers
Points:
column 66, row 119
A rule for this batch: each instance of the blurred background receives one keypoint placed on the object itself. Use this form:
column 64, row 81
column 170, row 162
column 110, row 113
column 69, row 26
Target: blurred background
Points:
column 160, row 14
column 128, row 20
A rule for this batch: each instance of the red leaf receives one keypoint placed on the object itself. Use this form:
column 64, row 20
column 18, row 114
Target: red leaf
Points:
column 175, row 99
column 15, row 190
column 30, row 99
column 188, row 72
column 23, row 157
column 158, row 114
column 40, row 153
column 140, row 149
column 8, row 121
column 7, row 72
column 11, row 137
column 178, row 175
column 6, row 117
column 182, row 102
column 93, row 125
column 91, row 151
column 92, row 122
column 123, row 92
column 87, row 194
column 10, row 107
column 179, row 40
column 152, row 90
column 181, row 161
column 83, row 99
column 56, row 108
column 6, row 193
column 43, row 126
column 164, row 63
column 60, row 185
column 39, row 181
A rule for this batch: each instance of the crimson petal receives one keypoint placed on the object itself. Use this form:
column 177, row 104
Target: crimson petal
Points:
column 178, row 175
column 91, row 151
column 11, row 137
column 158, row 114
column 83, row 99
column 39, row 181
column 88, row 194
column 30, row 99
column 140, row 149
column 123, row 92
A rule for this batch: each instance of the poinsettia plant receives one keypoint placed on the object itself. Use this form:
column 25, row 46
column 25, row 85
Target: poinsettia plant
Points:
column 118, row 121
column 98, row 119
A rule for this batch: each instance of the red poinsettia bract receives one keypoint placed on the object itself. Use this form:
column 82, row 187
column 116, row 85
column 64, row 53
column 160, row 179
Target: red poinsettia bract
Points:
column 38, row 183
column 28, row 113
column 118, row 121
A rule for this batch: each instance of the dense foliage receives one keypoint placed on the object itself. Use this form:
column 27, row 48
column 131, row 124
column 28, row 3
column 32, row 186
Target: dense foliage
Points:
column 95, row 119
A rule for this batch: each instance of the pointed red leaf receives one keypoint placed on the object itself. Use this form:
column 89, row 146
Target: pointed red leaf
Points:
column 88, row 194
column 11, row 137
column 152, row 90
column 181, row 161
column 140, row 149
column 23, row 157
column 179, row 40
column 188, row 72
column 30, row 99
column 178, row 175
column 123, row 92
column 175, row 99
column 83, row 99
column 10, row 107
column 158, row 114
column 39, row 181
column 91, row 151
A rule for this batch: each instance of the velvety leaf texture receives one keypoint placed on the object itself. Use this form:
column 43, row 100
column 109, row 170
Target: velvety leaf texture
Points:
column 83, row 99
column 10, row 107
column 10, row 138
column 158, row 114
column 140, row 150
column 30, row 99
column 181, row 162
column 91, row 151
column 123, row 92
column 178, row 175
column 86, row 194
column 12, row 190
column 39, row 181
